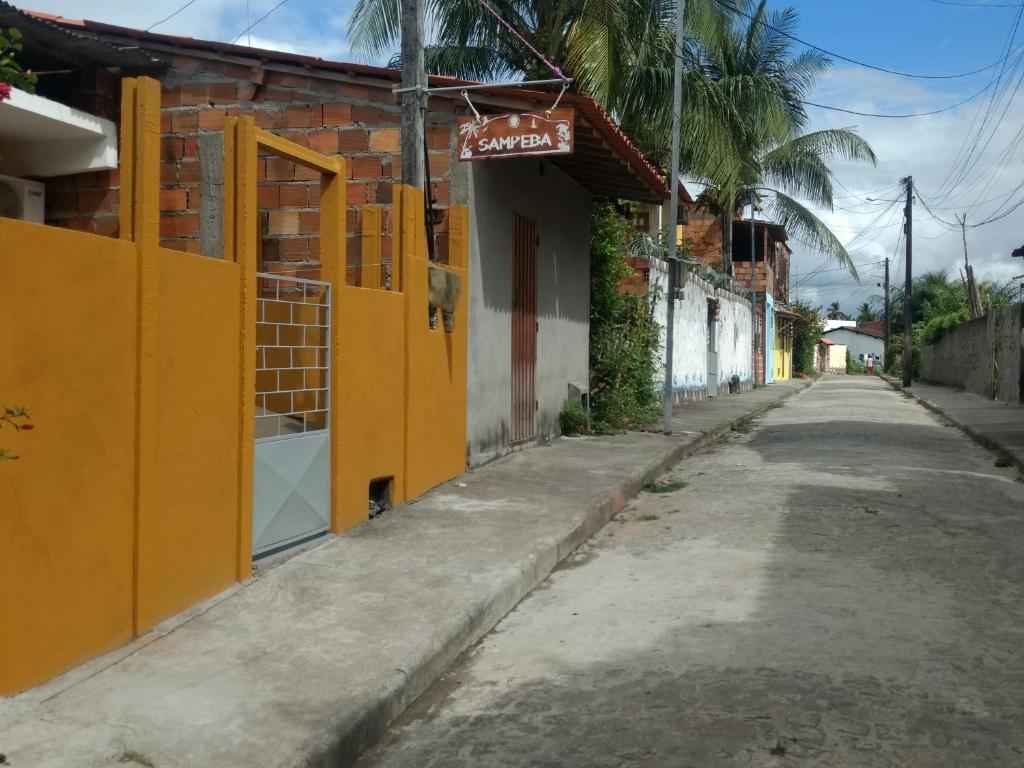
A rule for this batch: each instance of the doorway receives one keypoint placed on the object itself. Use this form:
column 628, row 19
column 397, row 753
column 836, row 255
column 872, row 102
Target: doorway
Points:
column 524, row 328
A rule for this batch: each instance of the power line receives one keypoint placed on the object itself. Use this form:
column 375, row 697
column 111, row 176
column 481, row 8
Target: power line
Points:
column 890, row 116
column 168, row 18
column 260, row 19
column 859, row 63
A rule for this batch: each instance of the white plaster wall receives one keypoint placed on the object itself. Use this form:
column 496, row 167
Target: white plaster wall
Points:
column 858, row 343
column 497, row 189
column 837, row 357
column 735, row 335
column 690, row 343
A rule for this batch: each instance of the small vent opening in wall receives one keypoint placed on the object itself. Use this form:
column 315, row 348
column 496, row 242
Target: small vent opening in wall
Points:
column 380, row 496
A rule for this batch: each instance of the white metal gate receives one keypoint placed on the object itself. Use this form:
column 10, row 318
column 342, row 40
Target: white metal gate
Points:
column 291, row 472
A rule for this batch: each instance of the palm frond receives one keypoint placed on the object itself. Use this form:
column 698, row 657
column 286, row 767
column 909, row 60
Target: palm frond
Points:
column 802, row 224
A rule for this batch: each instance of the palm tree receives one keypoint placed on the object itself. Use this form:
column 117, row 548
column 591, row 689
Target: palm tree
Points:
column 619, row 52
column 835, row 313
column 774, row 161
column 866, row 313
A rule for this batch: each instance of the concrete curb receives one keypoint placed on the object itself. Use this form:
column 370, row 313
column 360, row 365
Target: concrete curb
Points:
column 350, row 737
column 979, row 437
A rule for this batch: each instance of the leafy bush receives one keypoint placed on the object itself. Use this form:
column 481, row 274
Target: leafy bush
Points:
column 805, row 338
column 852, row 366
column 11, row 72
column 936, row 328
column 573, row 418
column 624, row 337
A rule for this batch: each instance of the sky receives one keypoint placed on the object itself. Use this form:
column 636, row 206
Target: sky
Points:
column 932, row 37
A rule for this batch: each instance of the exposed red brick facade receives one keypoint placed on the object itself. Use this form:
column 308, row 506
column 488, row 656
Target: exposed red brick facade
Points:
column 702, row 233
column 325, row 112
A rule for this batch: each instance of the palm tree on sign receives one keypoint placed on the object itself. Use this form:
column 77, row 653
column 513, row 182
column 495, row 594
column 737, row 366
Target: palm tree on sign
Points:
column 751, row 66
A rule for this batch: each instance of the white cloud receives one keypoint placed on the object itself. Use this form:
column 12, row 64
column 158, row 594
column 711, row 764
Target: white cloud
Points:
column 924, row 148
column 299, row 26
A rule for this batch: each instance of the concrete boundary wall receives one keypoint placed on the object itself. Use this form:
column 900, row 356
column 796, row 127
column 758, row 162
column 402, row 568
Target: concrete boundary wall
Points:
column 982, row 356
column 690, row 350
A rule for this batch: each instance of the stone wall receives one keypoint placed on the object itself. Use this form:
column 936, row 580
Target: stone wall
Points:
column 982, row 356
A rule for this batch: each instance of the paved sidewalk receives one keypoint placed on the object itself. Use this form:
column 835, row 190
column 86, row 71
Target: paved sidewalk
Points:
column 997, row 425
column 308, row 662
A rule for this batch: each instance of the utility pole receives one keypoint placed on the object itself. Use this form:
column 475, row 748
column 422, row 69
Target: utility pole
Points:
column 908, row 320
column 670, row 308
column 414, row 78
column 753, row 296
column 888, row 317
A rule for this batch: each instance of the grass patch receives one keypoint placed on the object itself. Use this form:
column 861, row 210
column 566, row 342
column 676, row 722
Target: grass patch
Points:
column 647, row 517
column 1004, row 461
column 665, row 487
column 131, row 756
column 744, row 425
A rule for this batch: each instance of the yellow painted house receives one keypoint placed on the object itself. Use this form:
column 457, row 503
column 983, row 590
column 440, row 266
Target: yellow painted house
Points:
column 783, row 351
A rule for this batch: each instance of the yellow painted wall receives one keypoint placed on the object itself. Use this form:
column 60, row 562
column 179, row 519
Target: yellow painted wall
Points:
column 123, row 509
column 783, row 353
column 67, row 353
column 133, row 496
column 187, row 540
column 435, row 360
column 372, row 403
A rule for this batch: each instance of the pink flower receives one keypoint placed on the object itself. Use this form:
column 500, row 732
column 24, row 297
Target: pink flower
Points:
column 5, row 91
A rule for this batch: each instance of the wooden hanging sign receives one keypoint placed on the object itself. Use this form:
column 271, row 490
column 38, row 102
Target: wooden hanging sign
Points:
column 516, row 135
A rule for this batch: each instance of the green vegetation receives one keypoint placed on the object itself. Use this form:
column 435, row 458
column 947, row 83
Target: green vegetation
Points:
column 131, row 756
column 624, row 337
column 806, row 337
column 573, row 418
column 835, row 313
column 744, row 85
column 852, row 366
column 940, row 304
column 665, row 486
column 866, row 313
column 758, row 81
column 11, row 72
column 743, row 426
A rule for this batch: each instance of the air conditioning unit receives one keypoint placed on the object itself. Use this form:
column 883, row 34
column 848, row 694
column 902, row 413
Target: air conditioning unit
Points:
column 22, row 199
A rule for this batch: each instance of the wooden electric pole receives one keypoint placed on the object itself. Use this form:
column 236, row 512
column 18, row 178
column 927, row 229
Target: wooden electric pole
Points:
column 908, row 320
column 888, row 318
column 668, row 391
column 414, row 97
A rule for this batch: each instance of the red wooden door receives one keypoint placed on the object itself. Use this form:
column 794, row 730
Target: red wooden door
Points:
column 524, row 328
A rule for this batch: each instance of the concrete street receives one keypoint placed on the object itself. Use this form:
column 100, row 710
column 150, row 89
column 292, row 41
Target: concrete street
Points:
column 840, row 585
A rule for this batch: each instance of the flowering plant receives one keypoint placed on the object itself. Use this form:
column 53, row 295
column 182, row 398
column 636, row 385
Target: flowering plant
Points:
column 11, row 72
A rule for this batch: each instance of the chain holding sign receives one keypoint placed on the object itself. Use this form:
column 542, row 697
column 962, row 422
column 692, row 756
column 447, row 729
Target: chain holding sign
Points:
column 548, row 132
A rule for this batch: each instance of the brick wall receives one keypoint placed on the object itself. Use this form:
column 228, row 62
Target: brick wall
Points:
column 703, row 234
column 357, row 120
column 743, row 271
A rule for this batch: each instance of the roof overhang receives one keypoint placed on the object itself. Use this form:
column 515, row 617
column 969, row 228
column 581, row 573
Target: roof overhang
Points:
column 53, row 38
column 41, row 137
column 789, row 314
column 605, row 161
